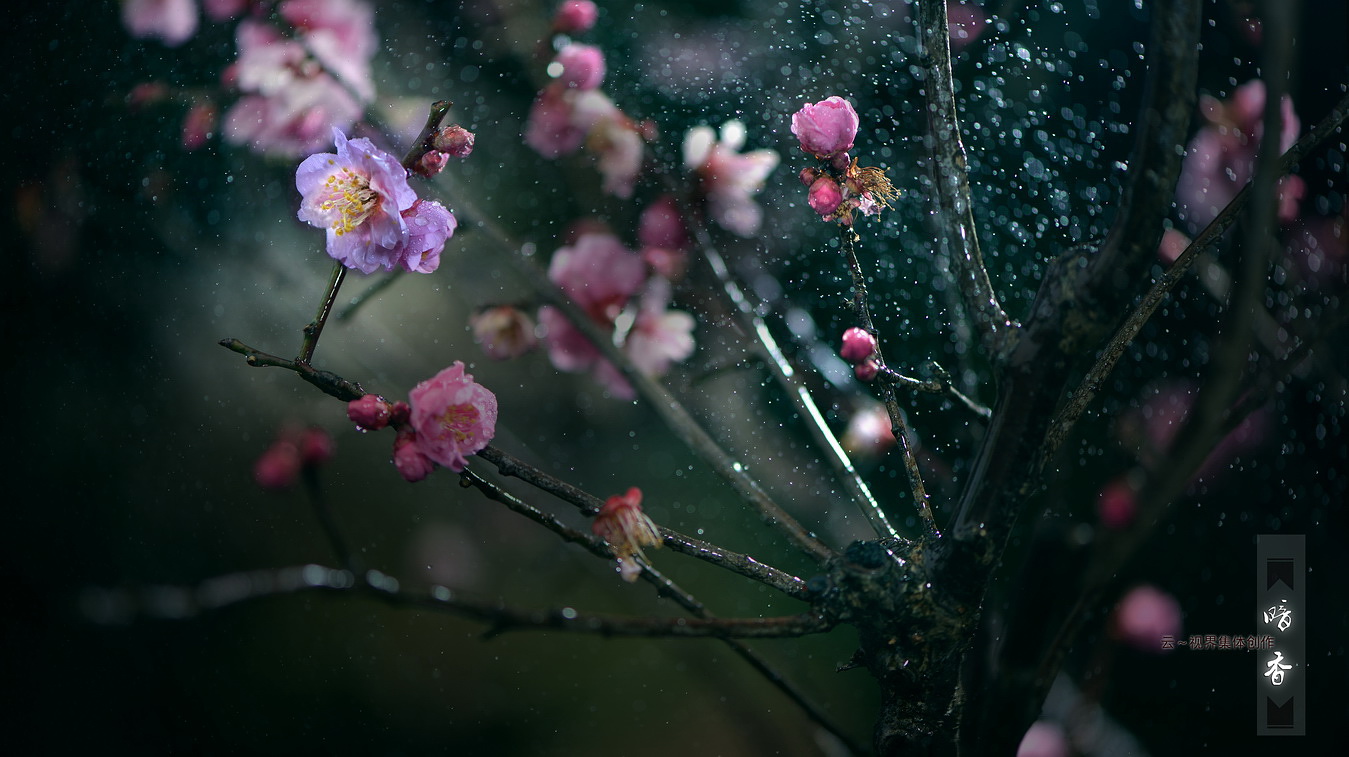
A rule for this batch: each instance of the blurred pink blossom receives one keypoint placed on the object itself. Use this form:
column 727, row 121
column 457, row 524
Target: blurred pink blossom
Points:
column 1221, row 157
column 664, row 237
column 578, row 66
column 173, row 22
column 358, row 195
column 341, row 35
column 1144, row 616
column 224, row 10
column 729, row 179
column 199, row 125
column 659, row 337
column 965, row 22
column 826, row 128
column 503, row 332
column 412, row 464
column 869, row 431
column 575, row 16
column 1044, row 739
column 1117, row 504
column 453, row 416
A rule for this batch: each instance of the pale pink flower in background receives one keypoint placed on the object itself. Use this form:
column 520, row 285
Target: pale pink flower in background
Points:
column 621, row 152
column 826, row 128
column 575, row 16
column 659, row 337
column 549, row 128
column 453, row 415
column 1144, row 616
column 429, row 225
column 341, row 34
column 224, row 10
column 869, row 432
column 622, row 524
column 1044, row 739
column 578, row 66
column 729, row 179
column 662, row 225
column 358, row 195
column 503, row 332
column 1172, row 245
column 278, row 468
column 173, row 22
column 965, row 23
column 1221, row 157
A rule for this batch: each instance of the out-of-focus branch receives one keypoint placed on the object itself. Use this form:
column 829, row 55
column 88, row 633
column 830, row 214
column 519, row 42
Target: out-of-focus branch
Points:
column 951, row 183
column 180, row 602
column 1100, row 371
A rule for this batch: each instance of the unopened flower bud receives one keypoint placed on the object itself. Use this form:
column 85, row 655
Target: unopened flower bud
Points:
column 456, row 141
column 400, row 413
column 278, row 468
column 408, row 458
column 826, row 128
column 840, row 162
column 370, row 413
column 575, row 16
column 316, row 447
column 867, row 370
column 431, row 163
column 825, row 196
column 809, row 174
column 858, row 345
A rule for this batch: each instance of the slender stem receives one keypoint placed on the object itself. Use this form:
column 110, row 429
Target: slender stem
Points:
column 345, row 557
column 180, row 602
column 951, row 184
column 940, row 385
column 314, row 329
column 898, row 426
column 330, row 383
column 368, row 295
column 1067, row 416
column 590, row 505
column 785, row 375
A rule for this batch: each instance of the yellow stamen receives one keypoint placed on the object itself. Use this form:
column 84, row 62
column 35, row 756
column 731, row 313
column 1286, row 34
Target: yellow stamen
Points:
column 349, row 195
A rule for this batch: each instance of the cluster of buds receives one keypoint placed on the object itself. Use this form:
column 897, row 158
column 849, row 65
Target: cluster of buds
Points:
column 450, row 142
column 622, row 523
column 278, row 468
column 449, row 418
column 859, row 348
column 839, row 186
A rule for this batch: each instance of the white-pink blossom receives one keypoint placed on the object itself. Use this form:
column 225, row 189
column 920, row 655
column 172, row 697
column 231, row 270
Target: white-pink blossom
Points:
column 173, row 22
column 729, row 179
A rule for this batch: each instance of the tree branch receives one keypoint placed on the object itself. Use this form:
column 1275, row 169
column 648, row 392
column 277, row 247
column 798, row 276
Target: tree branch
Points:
column 951, row 183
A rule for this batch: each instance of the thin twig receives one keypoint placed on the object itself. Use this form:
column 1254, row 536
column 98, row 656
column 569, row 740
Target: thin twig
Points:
column 847, row 241
column 180, row 602
column 589, row 504
column 940, row 385
column 1067, row 416
column 330, row 383
column 951, row 184
column 372, row 291
column 785, row 375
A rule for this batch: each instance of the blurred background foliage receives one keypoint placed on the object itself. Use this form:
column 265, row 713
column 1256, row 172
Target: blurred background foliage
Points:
column 130, row 465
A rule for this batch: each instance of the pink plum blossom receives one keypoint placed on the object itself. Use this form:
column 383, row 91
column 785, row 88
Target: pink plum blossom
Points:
column 455, row 141
column 826, row 128
column 503, row 332
column 224, row 10
column 858, row 345
column 575, row 16
column 869, row 432
column 661, row 224
column 1144, row 616
column 453, row 417
column 429, row 225
column 278, row 468
column 199, row 125
column 729, row 179
column 1220, row 159
column 370, row 413
column 358, row 194
column 659, row 337
column 600, row 275
column 825, row 196
column 622, row 524
column 412, row 464
column 549, row 129
column 341, row 35
column 578, row 66
column 173, row 22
